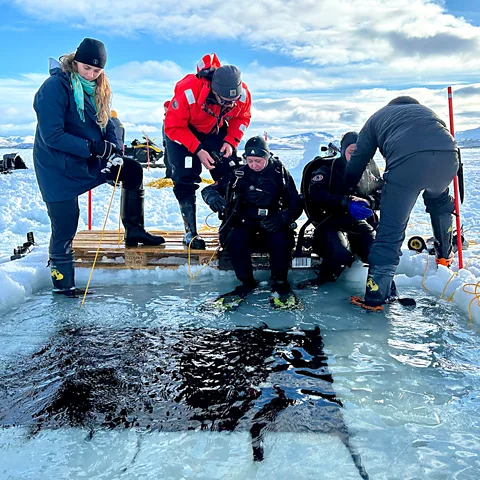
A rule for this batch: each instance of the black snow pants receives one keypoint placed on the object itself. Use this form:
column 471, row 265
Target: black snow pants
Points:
column 243, row 240
column 185, row 168
column 337, row 241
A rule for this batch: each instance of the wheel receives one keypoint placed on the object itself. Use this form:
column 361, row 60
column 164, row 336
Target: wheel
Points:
column 417, row 244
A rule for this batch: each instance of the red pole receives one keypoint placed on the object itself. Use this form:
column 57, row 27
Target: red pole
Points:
column 456, row 191
column 89, row 209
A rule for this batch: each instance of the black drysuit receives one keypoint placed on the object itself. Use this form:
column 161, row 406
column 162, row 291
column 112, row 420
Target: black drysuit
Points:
column 338, row 235
column 253, row 197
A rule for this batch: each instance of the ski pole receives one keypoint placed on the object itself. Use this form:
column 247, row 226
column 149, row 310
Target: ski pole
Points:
column 456, row 191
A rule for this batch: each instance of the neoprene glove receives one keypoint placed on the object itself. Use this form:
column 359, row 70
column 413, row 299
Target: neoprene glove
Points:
column 217, row 203
column 274, row 223
column 359, row 210
column 103, row 149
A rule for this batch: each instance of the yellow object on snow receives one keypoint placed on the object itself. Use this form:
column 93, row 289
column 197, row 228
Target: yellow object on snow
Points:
column 167, row 182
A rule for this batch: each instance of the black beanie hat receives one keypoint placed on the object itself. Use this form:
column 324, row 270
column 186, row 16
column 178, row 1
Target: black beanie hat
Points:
column 257, row 147
column 347, row 140
column 92, row 52
column 227, row 81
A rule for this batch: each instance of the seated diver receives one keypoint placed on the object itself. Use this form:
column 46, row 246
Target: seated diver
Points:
column 344, row 224
column 258, row 202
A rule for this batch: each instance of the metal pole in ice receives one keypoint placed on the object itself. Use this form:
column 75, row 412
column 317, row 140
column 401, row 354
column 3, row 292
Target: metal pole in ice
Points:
column 456, row 191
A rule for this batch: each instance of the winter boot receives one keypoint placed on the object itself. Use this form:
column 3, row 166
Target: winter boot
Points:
column 379, row 288
column 62, row 270
column 441, row 209
column 189, row 215
column 442, row 231
column 131, row 211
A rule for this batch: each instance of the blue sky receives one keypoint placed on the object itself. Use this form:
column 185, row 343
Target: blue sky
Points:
column 310, row 64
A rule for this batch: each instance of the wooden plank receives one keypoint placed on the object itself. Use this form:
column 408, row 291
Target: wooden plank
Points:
column 170, row 255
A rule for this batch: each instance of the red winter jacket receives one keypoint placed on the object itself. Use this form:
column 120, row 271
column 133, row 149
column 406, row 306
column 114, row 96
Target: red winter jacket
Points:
column 189, row 107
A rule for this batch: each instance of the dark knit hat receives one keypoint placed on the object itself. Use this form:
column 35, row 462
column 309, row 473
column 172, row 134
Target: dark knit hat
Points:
column 227, row 82
column 92, row 52
column 347, row 140
column 257, row 147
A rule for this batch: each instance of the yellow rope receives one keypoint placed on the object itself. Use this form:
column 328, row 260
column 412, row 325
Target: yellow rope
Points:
column 450, row 298
column 101, row 236
column 475, row 293
column 188, row 258
column 424, row 275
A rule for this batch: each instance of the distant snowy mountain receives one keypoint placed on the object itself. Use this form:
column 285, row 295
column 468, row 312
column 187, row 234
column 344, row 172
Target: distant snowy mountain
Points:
column 310, row 141
column 300, row 141
column 17, row 142
column 5, row 143
column 469, row 138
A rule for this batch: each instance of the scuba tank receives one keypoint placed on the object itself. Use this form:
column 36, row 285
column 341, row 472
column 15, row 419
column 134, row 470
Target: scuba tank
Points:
column 328, row 156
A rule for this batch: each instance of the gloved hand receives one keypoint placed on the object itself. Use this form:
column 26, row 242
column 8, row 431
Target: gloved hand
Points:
column 217, row 203
column 358, row 209
column 274, row 223
column 114, row 161
column 103, row 149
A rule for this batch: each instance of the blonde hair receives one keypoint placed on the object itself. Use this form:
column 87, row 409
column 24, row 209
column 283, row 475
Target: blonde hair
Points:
column 103, row 93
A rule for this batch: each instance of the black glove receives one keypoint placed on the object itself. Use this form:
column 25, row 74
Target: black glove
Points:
column 274, row 223
column 217, row 203
column 103, row 149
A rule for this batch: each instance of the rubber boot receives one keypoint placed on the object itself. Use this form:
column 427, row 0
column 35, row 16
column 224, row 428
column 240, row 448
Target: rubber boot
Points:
column 442, row 231
column 62, row 271
column 379, row 287
column 189, row 215
column 131, row 211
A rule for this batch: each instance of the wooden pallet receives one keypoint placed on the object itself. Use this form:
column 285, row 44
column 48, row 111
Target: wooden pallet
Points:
column 172, row 254
column 114, row 254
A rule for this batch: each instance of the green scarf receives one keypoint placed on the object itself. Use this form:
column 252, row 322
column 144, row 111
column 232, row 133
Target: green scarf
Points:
column 80, row 87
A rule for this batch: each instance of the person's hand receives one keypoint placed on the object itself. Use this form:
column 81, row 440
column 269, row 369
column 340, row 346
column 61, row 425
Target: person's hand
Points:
column 358, row 209
column 206, row 160
column 115, row 161
column 274, row 223
column 226, row 149
column 103, row 149
column 217, row 203
column 353, row 198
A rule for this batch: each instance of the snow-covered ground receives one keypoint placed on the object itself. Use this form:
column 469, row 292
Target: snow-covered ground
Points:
column 22, row 210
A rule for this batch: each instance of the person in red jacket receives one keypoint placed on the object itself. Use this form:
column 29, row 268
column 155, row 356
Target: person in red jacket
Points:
column 209, row 112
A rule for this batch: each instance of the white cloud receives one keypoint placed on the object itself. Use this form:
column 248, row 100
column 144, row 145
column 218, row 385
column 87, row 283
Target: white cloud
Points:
column 132, row 71
column 341, row 52
column 319, row 32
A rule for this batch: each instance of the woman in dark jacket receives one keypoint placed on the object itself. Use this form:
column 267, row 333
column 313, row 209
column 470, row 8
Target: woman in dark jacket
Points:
column 75, row 150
